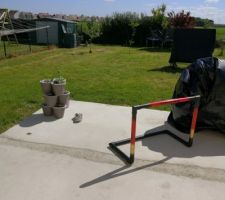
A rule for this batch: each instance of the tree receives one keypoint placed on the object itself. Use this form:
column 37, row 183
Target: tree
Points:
column 133, row 26
column 143, row 30
column 204, row 22
column 159, row 19
column 89, row 30
column 119, row 28
column 93, row 32
column 181, row 20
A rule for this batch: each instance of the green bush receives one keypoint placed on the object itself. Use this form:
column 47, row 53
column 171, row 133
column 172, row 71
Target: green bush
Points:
column 130, row 28
column 181, row 20
column 119, row 28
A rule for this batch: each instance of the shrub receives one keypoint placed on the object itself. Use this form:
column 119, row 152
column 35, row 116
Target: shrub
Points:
column 181, row 20
column 130, row 28
column 119, row 28
column 88, row 30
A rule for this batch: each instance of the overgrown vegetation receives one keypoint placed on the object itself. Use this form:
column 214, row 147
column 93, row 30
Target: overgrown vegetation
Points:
column 130, row 28
column 206, row 23
column 181, row 20
column 89, row 29
column 121, row 28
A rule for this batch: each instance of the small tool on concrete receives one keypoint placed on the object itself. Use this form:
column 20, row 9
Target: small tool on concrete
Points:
column 77, row 118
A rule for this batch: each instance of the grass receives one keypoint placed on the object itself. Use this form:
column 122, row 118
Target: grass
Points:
column 12, row 49
column 220, row 33
column 111, row 75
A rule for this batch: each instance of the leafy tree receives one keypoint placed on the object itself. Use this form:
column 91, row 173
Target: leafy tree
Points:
column 159, row 19
column 181, row 20
column 207, row 23
column 89, row 29
column 204, row 22
column 130, row 28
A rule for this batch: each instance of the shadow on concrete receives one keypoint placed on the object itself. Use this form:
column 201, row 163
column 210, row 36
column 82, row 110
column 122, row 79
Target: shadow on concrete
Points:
column 120, row 172
column 168, row 69
column 206, row 143
column 36, row 119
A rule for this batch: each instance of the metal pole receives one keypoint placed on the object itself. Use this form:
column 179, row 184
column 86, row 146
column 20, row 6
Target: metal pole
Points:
column 133, row 134
column 4, row 48
column 165, row 102
column 29, row 43
column 194, row 121
column 47, row 37
column 160, row 103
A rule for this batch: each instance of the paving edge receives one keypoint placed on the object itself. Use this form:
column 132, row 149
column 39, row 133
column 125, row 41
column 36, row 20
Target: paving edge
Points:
column 190, row 171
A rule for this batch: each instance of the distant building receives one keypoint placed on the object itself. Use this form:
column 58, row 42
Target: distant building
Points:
column 43, row 15
column 73, row 17
column 59, row 16
column 14, row 14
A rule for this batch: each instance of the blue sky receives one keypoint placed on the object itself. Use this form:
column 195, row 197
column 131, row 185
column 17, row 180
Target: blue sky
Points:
column 213, row 9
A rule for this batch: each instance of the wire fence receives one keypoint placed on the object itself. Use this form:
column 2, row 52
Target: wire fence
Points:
column 10, row 49
column 18, row 37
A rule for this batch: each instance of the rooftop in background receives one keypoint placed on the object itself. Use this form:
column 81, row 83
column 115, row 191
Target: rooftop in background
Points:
column 16, row 14
column 57, row 19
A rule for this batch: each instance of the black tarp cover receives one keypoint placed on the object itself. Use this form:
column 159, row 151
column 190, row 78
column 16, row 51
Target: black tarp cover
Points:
column 205, row 77
column 191, row 44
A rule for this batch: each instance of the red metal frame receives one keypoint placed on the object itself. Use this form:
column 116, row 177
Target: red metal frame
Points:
column 133, row 138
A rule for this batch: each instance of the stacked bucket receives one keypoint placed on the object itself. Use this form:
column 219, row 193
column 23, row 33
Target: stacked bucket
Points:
column 56, row 98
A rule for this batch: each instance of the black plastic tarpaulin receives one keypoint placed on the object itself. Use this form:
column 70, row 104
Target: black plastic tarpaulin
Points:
column 205, row 77
column 191, row 44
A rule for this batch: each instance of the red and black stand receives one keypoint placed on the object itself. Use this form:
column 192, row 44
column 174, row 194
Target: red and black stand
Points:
column 133, row 139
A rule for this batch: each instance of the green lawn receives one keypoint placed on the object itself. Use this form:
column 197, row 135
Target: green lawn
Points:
column 13, row 49
column 220, row 33
column 111, row 74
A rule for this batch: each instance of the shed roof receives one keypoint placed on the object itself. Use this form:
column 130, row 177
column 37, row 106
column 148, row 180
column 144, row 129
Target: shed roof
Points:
column 55, row 19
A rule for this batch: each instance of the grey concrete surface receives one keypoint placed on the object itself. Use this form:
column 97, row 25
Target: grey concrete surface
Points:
column 105, row 123
column 44, row 158
column 36, row 174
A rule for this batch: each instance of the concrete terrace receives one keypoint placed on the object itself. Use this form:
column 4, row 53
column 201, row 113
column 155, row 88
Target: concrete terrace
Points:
column 44, row 158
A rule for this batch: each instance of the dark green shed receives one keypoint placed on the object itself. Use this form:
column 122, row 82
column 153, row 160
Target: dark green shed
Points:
column 60, row 32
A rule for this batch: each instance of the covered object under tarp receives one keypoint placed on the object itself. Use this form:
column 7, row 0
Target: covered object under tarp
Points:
column 205, row 77
column 191, row 44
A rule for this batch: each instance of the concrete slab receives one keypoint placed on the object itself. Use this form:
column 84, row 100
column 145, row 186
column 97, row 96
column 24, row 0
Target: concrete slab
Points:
column 106, row 123
column 31, row 171
column 44, row 158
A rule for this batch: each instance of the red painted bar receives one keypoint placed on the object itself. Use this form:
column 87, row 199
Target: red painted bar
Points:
column 194, row 119
column 159, row 103
column 133, row 131
column 170, row 101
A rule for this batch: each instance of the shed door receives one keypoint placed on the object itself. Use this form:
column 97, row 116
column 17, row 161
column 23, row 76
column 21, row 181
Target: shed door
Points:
column 52, row 32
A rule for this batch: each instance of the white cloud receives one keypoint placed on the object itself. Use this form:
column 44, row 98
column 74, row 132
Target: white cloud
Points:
column 212, row 1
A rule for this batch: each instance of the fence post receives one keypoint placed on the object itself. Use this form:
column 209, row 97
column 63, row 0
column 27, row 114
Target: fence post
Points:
column 4, row 48
column 29, row 42
column 47, row 37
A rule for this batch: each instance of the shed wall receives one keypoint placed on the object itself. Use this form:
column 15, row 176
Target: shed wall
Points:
column 52, row 33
